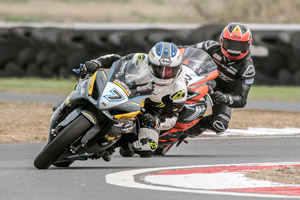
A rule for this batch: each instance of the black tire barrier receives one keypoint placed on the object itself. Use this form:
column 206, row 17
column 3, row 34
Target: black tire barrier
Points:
column 6, row 55
column 263, row 79
column 285, row 77
column 206, row 32
column 12, row 69
column 33, row 70
column 274, row 62
column 297, row 78
column 54, row 51
column 21, row 36
column 26, row 56
column 97, row 40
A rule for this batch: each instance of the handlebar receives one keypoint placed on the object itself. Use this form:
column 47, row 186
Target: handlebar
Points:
column 82, row 68
column 210, row 90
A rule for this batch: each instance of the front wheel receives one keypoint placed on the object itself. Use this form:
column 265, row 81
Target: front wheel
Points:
column 63, row 164
column 58, row 145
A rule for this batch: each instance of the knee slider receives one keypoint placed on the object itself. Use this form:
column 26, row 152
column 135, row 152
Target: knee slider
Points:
column 220, row 123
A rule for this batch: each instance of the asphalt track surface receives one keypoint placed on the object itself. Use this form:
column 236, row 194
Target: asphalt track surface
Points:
column 86, row 179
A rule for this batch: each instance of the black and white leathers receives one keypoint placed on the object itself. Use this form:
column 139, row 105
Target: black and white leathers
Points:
column 166, row 101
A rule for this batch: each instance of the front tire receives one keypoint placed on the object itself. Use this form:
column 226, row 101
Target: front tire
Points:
column 126, row 152
column 58, row 145
column 63, row 164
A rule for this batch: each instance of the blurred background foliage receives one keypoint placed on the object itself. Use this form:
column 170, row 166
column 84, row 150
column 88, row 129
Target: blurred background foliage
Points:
column 151, row 11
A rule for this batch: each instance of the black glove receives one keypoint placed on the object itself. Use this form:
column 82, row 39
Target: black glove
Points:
column 91, row 66
column 149, row 120
column 220, row 98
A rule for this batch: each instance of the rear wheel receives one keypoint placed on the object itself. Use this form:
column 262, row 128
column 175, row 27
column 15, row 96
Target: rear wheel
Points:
column 159, row 152
column 163, row 151
column 58, row 145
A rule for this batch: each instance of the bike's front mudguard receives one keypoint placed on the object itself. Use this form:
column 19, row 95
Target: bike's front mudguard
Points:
column 71, row 117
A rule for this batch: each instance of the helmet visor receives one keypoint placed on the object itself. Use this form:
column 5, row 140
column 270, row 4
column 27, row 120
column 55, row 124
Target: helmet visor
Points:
column 165, row 72
column 232, row 45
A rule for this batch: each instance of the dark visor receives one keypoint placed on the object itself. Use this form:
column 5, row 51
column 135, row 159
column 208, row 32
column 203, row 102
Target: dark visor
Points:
column 164, row 72
column 235, row 45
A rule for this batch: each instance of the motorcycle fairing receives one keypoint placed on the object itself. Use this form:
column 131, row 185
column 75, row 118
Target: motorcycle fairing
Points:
column 91, row 83
column 199, row 68
column 112, row 96
column 127, row 85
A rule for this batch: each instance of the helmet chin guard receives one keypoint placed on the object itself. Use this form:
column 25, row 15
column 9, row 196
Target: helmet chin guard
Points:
column 162, row 81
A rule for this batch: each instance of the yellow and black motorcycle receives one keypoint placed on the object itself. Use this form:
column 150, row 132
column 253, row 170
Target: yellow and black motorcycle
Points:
column 98, row 116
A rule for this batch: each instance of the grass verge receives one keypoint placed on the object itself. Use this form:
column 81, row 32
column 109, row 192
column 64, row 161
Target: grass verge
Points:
column 65, row 86
column 36, row 85
column 275, row 93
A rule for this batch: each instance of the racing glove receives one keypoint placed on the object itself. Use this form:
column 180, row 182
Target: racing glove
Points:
column 92, row 65
column 220, row 98
column 149, row 120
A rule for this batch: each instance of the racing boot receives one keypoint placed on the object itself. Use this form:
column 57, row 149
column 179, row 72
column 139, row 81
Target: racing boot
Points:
column 127, row 151
column 198, row 128
column 108, row 154
column 147, row 142
column 126, row 145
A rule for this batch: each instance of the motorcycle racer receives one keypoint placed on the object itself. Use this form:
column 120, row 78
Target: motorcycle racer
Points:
column 236, row 75
column 167, row 100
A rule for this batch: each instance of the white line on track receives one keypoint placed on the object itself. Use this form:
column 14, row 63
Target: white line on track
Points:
column 127, row 179
column 257, row 132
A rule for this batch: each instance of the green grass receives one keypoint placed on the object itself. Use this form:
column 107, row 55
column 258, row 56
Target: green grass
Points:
column 276, row 93
column 28, row 18
column 35, row 85
column 64, row 87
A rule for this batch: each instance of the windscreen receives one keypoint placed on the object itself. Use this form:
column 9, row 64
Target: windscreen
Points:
column 130, row 73
column 198, row 60
column 138, row 74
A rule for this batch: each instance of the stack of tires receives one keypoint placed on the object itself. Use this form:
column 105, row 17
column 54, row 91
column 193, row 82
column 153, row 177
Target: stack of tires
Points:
column 50, row 51
column 54, row 52
column 281, row 66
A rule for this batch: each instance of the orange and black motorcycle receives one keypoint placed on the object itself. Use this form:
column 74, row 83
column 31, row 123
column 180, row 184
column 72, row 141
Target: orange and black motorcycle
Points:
column 200, row 70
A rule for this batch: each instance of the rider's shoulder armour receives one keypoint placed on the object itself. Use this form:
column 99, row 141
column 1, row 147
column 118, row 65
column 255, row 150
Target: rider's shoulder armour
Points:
column 138, row 58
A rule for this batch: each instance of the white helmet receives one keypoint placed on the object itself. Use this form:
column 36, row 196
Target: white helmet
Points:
column 165, row 62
